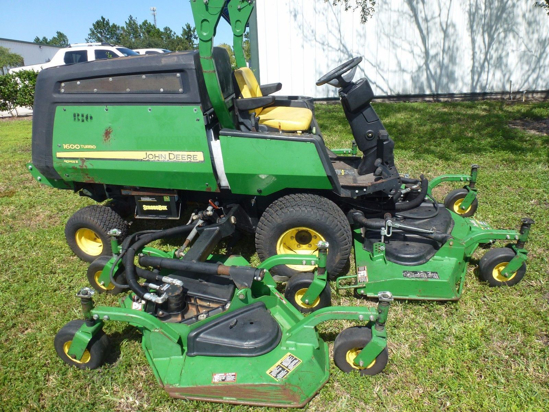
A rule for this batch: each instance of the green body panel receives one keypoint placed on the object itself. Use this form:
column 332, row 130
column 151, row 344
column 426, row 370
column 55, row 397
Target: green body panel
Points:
column 126, row 134
column 56, row 183
column 265, row 166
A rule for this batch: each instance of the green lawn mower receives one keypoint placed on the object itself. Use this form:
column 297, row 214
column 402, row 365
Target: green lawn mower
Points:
column 152, row 133
column 216, row 329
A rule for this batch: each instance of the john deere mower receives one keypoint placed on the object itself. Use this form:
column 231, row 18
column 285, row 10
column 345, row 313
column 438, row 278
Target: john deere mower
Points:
column 216, row 329
column 152, row 133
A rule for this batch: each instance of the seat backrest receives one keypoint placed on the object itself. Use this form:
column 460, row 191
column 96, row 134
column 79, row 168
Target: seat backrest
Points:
column 224, row 71
column 248, row 85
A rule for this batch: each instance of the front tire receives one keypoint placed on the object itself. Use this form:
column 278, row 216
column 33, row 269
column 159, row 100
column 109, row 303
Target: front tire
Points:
column 295, row 224
column 94, row 354
column 296, row 288
column 493, row 262
column 87, row 231
column 348, row 345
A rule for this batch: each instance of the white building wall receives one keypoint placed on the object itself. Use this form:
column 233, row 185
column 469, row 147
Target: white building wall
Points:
column 32, row 53
column 409, row 46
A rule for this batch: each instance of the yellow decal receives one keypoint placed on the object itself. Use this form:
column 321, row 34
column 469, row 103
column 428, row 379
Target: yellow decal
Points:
column 284, row 367
column 159, row 207
column 71, row 161
column 145, row 156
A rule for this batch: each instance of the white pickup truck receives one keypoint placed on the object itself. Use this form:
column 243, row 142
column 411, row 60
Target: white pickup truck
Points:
column 79, row 53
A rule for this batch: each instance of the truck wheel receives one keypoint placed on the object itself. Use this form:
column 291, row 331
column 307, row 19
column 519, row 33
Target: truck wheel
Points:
column 294, row 224
column 296, row 288
column 348, row 345
column 94, row 353
column 95, row 270
column 453, row 200
column 493, row 262
column 87, row 231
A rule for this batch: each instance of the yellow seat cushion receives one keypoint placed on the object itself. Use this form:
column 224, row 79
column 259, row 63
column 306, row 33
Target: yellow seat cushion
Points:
column 290, row 119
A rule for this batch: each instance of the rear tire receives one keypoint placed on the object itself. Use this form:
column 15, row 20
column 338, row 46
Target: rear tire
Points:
column 87, row 231
column 295, row 224
column 94, row 354
column 348, row 345
column 493, row 262
column 296, row 288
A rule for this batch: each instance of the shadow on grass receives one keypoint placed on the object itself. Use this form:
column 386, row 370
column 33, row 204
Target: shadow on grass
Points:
column 130, row 333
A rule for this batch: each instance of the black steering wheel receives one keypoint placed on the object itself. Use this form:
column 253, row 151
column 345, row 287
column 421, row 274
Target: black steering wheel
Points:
column 338, row 73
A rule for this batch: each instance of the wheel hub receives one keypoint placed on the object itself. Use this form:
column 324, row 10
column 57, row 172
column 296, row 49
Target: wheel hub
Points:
column 351, row 356
column 89, row 242
column 496, row 273
column 300, row 241
column 299, row 295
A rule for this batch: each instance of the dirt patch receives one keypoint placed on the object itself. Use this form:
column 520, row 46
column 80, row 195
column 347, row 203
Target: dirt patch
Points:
column 539, row 127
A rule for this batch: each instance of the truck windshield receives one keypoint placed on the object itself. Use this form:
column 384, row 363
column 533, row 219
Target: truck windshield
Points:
column 127, row 52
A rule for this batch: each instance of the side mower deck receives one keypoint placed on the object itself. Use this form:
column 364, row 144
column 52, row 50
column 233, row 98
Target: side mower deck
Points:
column 216, row 329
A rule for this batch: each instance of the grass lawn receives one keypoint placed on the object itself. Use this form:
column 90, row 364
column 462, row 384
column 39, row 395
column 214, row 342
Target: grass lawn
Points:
column 489, row 351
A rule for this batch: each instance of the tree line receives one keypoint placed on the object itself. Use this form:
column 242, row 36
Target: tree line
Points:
column 132, row 34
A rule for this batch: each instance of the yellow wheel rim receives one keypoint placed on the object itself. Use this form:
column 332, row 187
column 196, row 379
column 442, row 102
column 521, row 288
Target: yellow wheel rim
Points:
column 300, row 241
column 351, row 356
column 496, row 273
column 96, row 278
column 89, row 242
column 299, row 295
column 459, row 211
column 85, row 357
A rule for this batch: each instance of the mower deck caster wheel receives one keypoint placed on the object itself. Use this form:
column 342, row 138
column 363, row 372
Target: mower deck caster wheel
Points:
column 87, row 231
column 94, row 272
column 493, row 262
column 94, row 353
column 348, row 345
column 296, row 288
column 453, row 200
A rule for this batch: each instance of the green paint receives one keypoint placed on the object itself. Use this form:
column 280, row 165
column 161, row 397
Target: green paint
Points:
column 239, row 14
column 261, row 166
column 56, row 183
column 132, row 129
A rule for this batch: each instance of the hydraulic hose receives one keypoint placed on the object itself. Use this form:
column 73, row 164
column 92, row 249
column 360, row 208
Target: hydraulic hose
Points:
column 199, row 267
column 131, row 272
column 402, row 206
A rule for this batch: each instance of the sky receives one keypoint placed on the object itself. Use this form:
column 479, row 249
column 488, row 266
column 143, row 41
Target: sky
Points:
column 24, row 20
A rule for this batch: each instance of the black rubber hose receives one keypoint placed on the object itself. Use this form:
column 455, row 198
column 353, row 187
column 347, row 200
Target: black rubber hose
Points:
column 358, row 217
column 401, row 207
column 131, row 273
column 198, row 267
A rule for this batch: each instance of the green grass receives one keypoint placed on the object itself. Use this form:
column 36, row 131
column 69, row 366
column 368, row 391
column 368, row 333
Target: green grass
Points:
column 489, row 351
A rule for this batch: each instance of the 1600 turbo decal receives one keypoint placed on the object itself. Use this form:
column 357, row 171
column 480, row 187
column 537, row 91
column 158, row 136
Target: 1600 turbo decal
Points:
column 144, row 156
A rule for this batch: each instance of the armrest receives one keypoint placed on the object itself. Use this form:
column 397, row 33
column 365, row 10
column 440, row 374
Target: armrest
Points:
column 253, row 102
column 267, row 89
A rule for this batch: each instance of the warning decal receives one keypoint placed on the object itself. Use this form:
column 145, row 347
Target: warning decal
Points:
column 283, row 367
column 224, row 378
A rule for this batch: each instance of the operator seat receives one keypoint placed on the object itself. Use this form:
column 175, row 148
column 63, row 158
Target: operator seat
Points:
column 283, row 118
